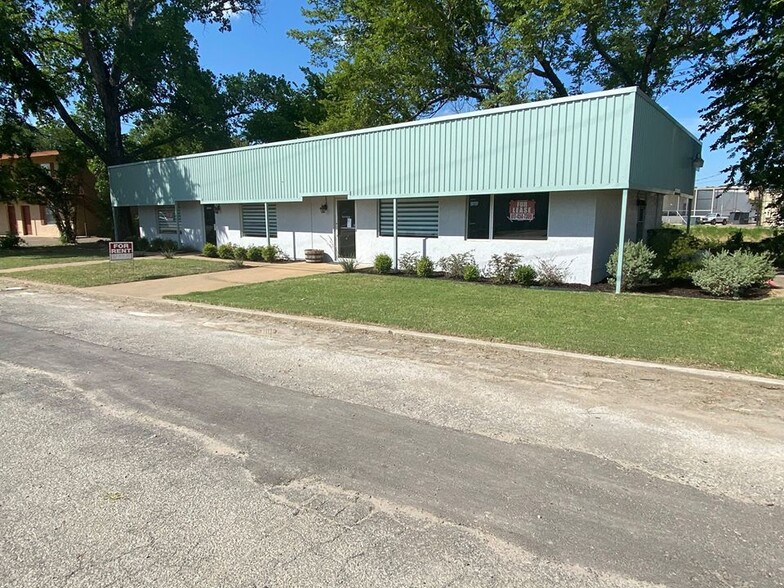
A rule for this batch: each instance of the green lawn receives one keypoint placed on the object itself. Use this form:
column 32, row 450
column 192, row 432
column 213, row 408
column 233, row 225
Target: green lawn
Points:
column 27, row 256
column 736, row 335
column 118, row 272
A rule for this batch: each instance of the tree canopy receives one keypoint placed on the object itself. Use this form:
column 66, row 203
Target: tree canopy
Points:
column 104, row 65
column 403, row 59
column 747, row 86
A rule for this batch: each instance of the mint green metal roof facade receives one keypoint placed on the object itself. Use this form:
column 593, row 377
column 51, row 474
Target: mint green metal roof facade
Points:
column 606, row 140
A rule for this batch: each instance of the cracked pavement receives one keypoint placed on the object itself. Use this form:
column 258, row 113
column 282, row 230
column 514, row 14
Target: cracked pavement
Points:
column 143, row 444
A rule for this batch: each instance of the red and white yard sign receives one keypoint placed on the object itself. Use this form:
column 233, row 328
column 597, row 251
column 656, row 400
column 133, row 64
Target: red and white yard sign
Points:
column 522, row 210
column 120, row 250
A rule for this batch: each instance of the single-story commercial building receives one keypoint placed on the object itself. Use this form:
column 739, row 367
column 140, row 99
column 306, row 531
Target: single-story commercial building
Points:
column 555, row 180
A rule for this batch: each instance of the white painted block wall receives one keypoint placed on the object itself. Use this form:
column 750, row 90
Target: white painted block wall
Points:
column 301, row 225
column 191, row 225
column 570, row 240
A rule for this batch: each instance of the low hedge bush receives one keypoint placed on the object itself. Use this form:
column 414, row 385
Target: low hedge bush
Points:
column 638, row 266
column 226, row 251
column 169, row 248
column 471, row 273
column 240, row 255
column 454, row 266
column 382, row 263
column 11, row 241
column 551, row 273
column 734, row 274
column 424, row 267
column 501, row 268
column 408, row 263
column 256, row 253
column 525, row 275
column 209, row 250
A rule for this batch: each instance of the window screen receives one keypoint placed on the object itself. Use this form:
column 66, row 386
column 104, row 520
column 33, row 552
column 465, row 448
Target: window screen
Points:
column 415, row 218
column 167, row 221
column 253, row 223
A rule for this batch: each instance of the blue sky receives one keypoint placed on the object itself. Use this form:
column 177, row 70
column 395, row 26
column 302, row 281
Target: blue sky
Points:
column 267, row 48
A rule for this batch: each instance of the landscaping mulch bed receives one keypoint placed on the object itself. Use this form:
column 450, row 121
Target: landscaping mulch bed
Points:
column 681, row 290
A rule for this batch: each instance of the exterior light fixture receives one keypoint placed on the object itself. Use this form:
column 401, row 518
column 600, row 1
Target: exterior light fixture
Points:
column 323, row 207
column 216, row 208
column 698, row 162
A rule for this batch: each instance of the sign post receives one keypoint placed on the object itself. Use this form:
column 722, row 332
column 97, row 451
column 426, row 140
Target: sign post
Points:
column 121, row 251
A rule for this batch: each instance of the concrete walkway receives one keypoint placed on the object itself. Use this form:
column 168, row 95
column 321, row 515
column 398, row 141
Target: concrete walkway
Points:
column 261, row 272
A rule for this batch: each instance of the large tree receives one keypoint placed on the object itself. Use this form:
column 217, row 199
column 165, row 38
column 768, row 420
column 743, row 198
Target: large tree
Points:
column 102, row 66
column 404, row 59
column 747, row 88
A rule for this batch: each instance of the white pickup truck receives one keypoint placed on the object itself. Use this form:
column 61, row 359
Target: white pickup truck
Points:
column 712, row 218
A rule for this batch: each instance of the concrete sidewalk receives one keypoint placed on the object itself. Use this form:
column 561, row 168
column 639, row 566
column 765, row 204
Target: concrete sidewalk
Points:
column 261, row 272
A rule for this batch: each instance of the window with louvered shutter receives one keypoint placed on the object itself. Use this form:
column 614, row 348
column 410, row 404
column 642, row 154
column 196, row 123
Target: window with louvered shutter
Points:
column 167, row 219
column 253, row 223
column 415, row 218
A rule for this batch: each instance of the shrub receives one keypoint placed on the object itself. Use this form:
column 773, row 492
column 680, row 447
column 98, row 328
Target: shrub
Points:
column 240, row 255
column 209, row 250
column 454, row 265
column 382, row 263
column 408, row 263
column 501, row 268
column 774, row 246
column 424, row 267
column 256, row 253
column 551, row 273
column 734, row 274
column 271, row 253
column 226, row 251
column 471, row 273
column 11, row 241
column 638, row 266
column 349, row 265
column 525, row 275
column 677, row 254
column 684, row 257
column 735, row 241
column 156, row 244
column 169, row 249
column 141, row 244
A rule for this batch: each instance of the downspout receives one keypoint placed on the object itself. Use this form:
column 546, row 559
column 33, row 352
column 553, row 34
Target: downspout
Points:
column 394, row 227
column 266, row 224
column 621, row 241
column 689, row 209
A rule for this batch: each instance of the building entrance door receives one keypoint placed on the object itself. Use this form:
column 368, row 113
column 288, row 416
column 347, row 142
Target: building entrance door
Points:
column 12, row 226
column 210, row 236
column 27, row 220
column 347, row 229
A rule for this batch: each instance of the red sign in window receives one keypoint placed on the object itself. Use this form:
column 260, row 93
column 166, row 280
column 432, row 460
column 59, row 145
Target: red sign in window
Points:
column 522, row 210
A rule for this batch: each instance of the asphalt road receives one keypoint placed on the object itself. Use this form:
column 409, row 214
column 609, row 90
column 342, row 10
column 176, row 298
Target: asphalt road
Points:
column 144, row 466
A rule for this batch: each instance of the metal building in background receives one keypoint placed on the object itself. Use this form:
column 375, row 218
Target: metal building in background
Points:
column 562, row 179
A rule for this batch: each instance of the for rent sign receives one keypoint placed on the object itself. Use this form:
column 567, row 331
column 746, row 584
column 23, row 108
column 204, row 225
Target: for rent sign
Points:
column 120, row 250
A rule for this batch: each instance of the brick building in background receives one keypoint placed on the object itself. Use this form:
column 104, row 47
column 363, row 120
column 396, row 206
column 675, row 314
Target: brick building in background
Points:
column 36, row 220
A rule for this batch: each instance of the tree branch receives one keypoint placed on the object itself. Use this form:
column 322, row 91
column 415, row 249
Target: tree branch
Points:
column 55, row 102
column 547, row 72
column 645, row 70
